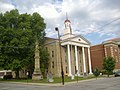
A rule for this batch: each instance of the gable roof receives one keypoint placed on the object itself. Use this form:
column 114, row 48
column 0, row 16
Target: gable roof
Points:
column 114, row 41
column 82, row 38
column 76, row 38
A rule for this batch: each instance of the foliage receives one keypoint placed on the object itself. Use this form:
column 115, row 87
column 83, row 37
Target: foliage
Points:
column 44, row 59
column 103, row 71
column 96, row 72
column 18, row 34
column 109, row 65
column 16, row 66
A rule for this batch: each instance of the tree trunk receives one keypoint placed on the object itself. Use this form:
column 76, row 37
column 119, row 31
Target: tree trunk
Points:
column 17, row 74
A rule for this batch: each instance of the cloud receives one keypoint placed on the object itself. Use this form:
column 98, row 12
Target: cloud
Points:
column 5, row 7
column 87, row 16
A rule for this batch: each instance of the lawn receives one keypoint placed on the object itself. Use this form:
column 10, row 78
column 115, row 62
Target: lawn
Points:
column 56, row 80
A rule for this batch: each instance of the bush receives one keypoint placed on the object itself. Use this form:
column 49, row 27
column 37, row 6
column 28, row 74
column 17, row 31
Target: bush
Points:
column 109, row 65
column 96, row 72
column 103, row 72
column 7, row 77
column 110, row 73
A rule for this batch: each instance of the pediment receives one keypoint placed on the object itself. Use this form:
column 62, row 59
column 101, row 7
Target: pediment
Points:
column 79, row 39
column 74, row 38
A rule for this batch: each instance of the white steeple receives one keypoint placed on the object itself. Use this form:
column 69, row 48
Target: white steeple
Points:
column 67, row 30
column 67, row 23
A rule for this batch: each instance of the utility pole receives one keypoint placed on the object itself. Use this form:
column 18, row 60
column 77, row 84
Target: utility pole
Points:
column 62, row 72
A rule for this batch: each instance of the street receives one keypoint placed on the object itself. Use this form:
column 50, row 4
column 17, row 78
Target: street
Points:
column 112, row 83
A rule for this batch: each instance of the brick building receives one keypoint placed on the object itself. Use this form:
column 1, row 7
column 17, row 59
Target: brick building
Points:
column 107, row 48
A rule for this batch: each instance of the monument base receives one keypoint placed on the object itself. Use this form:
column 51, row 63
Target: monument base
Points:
column 37, row 76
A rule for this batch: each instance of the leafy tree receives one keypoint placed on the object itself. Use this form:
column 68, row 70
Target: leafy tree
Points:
column 44, row 59
column 96, row 73
column 16, row 66
column 18, row 34
column 109, row 65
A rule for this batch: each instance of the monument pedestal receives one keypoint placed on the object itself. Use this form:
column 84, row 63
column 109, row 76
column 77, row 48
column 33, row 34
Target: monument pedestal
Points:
column 37, row 77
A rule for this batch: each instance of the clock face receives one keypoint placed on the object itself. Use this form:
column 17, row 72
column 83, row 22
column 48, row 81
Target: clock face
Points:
column 67, row 24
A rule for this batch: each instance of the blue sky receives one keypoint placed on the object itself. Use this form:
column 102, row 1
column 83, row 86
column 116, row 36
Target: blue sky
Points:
column 96, row 20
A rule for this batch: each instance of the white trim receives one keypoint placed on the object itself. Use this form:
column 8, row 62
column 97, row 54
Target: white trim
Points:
column 69, row 61
column 76, row 56
column 74, row 43
column 84, row 63
column 90, row 68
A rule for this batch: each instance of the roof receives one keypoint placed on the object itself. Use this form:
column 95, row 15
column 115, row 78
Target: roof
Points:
column 67, row 20
column 74, row 38
column 114, row 41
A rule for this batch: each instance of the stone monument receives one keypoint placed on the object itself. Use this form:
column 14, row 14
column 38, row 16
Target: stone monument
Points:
column 37, row 75
column 50, row 77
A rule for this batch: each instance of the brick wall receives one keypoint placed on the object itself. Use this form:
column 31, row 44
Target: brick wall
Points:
column 98, row 52
column 97, row 56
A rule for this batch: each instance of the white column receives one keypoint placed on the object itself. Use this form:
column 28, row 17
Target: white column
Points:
column 69, row 61
column 84, row 63
column 76, row 56
column 90, row 68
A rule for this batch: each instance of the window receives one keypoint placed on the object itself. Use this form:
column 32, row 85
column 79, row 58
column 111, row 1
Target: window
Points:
column 66, row 70
column 65, row 51
column 75, row 70
column 65, row 58
column 80, row 68
column 52, row 64
column 79, row 39
column 52, row 53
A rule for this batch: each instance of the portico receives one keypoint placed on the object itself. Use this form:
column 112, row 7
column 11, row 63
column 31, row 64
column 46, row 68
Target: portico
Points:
column 76, row 60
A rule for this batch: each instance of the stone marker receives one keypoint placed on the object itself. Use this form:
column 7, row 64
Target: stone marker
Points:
column 72, row 77
column 37, row 75
column 50, row 77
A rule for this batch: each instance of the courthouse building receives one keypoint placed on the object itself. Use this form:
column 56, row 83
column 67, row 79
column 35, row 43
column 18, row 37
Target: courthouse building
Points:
column 107, row 48
column 75, row 52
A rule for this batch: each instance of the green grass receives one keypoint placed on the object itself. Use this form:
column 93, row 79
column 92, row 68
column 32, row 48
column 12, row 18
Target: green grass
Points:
column 56, row 80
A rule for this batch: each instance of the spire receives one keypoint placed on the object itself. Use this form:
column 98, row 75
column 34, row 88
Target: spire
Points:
column 66, row 16
column 67, row 20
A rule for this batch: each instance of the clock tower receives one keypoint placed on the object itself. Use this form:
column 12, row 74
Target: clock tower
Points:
column 67, row 29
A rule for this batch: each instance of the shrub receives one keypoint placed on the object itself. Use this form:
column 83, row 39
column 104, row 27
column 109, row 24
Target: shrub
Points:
column 7, row 77
column 96, row 73
column 103, row 72
column 109, row 65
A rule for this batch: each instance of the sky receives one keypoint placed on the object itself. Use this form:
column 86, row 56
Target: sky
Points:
column 96, row 20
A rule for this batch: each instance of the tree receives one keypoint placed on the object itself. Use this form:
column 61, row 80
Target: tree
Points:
column 109, row 65
column 16, row 66
column 96, row 73
column 44, row 59
column 18, row 34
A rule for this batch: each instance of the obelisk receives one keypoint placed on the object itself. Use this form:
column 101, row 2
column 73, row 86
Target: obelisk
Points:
column 37, row 75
